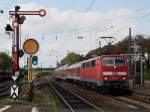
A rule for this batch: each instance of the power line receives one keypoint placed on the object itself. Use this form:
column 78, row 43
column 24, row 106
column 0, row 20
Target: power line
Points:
column 82, row 17
column 138, row 19
column 143, row 8
column 143, row 17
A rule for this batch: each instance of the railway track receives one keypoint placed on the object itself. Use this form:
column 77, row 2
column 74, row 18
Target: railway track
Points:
column 130, row 100
column 120, row 102
column 141, row 97
column 5, row 89
column 74, row 102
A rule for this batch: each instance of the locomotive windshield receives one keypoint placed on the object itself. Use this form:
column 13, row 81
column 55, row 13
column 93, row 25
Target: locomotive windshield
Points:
column 113, row 61
column 119, row 61
column 108, row 61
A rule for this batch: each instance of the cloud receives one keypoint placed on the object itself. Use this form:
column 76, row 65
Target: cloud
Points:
column 66, row 20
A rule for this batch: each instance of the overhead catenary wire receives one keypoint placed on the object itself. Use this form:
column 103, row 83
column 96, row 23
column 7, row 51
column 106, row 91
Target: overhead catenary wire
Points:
column 82, row 17
column 143, row 17
column 84, row 14
column 136, row 20
column 80, row 20
column 140, row 18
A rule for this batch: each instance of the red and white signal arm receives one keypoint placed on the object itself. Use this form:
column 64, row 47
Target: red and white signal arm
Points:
column 42, row 12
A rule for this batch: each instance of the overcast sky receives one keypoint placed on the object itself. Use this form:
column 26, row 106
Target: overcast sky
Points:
column 65, row 20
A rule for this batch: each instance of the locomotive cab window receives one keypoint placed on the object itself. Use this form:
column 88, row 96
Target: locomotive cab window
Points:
column 119, row 61
column 108, row 61
column 113, row 61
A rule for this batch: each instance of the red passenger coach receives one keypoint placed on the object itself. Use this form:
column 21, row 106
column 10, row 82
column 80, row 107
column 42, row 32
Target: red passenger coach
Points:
column 104, row 72
column 61, row 72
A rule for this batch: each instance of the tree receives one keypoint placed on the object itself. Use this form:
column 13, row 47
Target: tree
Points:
column 147, row 50
column 106, row 50
column 140, row 40
column 5, row 62
column 93, row 53
column 99, row 51
column 122, row 46
column 71, row 58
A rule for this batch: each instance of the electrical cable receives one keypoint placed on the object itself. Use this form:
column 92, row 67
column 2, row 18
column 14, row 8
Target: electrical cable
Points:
column 139, row 19
column 136, row 20
column 82, row 17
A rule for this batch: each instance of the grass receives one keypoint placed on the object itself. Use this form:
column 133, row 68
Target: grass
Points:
column 40, row 73
column 10, row 101
column 46, row 97
column 7, row 101
column 54, row 107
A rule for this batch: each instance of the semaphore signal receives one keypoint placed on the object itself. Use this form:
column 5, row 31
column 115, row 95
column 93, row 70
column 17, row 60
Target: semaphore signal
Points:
column 18, row 18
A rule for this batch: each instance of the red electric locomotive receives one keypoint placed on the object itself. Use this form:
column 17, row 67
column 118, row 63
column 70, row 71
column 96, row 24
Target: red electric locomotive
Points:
column 105, row 72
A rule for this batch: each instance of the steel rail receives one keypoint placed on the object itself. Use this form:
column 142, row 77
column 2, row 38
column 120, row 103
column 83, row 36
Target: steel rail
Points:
column 62, row 98
column 4, row 88
column 82, row 99
column 125, row 99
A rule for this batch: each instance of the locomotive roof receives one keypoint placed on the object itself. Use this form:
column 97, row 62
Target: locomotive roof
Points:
column 76, row 65
column 79, row 63
column 98, row 57
column 90, row 59
column 63, row 67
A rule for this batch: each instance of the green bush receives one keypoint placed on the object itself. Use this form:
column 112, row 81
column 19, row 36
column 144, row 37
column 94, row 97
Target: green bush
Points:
column 42, row 73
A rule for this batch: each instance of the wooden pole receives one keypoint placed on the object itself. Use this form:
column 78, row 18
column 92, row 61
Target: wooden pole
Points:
column 30, row 68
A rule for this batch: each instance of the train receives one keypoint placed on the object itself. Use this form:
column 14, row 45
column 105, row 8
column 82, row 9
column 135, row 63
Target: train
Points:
column 105, row 73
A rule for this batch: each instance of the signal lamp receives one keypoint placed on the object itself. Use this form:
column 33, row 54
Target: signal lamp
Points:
column 21, row 53
column 22, row 19
column 34, row 60
column 8, row 27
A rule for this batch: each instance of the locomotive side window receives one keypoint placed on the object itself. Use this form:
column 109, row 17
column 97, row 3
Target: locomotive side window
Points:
column 83, row 65
column 88, row 64
column 119, row 61
column 93, row 63
column 108, row 61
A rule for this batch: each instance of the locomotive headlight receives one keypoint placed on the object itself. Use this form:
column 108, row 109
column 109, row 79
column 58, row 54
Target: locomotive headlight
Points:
column 105, row 78
column 122, row 73
column 107, row 73
column 124, row 78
